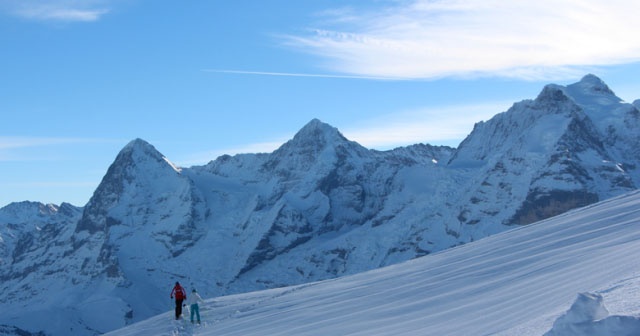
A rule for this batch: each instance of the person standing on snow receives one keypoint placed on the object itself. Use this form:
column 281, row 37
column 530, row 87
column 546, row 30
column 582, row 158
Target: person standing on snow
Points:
column 193, row 304
column 180, row 294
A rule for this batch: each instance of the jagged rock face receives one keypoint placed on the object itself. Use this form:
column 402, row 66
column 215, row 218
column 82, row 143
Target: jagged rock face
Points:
column 558, row 148
column 320, row 206
column 143, row 208
column 143, row 204
column 143, row 189
column 304, row 196
column 28, row 227
column 135, row 169
column 34, row 237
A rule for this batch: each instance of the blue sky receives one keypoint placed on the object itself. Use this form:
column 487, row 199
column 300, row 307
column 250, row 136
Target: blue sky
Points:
column 197, row 79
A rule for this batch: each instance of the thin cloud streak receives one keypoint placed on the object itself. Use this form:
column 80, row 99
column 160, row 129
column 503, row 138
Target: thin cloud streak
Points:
column 10, row 142
column 202, row 158
column 52, row 184
column 544, row 39
column 64, row 14
column 22, row 148
column 59, row 11
column 291, row 74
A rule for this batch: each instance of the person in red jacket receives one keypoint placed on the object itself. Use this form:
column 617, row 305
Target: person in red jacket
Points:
column 180, row 294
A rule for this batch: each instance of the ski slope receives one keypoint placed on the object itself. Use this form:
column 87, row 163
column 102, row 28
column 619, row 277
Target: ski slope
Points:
column 515, row 283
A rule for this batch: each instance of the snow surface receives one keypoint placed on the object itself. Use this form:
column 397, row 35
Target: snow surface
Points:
column 589, row 316
column 574, row 274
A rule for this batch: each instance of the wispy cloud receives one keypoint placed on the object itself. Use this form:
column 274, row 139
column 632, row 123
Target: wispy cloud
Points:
column 23, row 148
column 52, row 184
column 9, row 142
column 433, row 125
column 62, row 14
column 60, row 10
column 292, row 74
column 544, row 39
column 204, row 157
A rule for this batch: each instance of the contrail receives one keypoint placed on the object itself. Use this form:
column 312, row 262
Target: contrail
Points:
column 290, row 74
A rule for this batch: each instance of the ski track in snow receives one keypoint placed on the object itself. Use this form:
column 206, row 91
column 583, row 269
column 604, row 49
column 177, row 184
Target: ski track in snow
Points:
column 513, row 283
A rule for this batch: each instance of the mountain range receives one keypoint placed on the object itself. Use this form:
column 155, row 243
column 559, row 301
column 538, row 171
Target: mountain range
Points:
column 319, row 207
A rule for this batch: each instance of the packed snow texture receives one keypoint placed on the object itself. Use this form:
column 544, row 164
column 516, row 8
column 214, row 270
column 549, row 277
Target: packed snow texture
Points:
column 520, row 282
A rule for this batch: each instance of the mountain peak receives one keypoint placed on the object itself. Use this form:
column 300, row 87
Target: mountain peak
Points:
column 141, row 146
column 315, row 142
column 591, row 84
column 137, row 142
column 592, row 80
column 137, row 161
column 315, row 136
column 15, row 209
column 552, row 93
column 318, row 130
column 139, row 151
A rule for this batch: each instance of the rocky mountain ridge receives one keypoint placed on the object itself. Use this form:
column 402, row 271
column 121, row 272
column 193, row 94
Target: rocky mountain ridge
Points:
column 318, row 207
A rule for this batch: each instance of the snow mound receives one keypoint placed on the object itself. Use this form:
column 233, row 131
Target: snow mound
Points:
column 589, row 316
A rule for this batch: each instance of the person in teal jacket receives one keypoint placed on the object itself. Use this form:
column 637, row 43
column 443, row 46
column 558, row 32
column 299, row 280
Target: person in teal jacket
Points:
column 193, row 305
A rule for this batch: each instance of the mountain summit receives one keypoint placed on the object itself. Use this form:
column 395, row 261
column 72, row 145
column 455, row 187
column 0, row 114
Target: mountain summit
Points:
column 318, row 134
column 318, row 207
column 591, row 85
column 316, row 144
column 137, row 164
column 552, row 154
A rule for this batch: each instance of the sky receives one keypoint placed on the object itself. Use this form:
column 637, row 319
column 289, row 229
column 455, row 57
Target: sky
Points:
column 79, row 79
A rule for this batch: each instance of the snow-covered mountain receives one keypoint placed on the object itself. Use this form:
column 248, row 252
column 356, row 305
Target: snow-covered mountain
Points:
column 317, row 208
column 576, row 274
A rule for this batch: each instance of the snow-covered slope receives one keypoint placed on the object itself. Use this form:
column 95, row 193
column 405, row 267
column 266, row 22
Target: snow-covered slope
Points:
column 317, row 208
column 520, row 282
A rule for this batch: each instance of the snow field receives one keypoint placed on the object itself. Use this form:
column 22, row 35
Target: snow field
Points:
column 515, row 283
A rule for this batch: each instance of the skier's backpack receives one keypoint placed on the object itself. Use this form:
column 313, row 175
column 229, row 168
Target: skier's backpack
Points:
column 180, row 294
